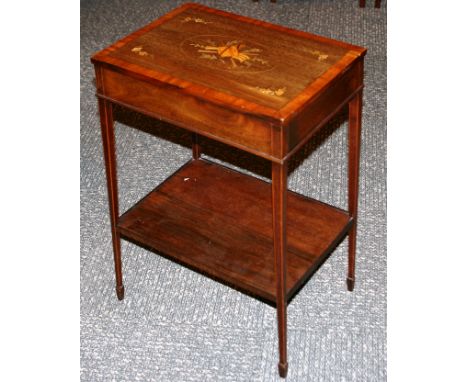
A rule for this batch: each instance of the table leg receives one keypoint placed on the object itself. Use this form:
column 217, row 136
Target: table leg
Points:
column 108, row 142
column 279, row 178
column 196, row 148
column 354, row 138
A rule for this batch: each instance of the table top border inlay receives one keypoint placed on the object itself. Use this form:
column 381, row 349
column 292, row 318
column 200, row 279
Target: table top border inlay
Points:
column 279, row 117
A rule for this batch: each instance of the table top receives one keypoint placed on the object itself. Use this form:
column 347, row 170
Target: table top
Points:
column 228, row 59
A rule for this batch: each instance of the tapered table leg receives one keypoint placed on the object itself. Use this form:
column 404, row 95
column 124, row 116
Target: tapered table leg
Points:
column 279, row 179
column 196, row 148
column 354, row 146
column 108, row 142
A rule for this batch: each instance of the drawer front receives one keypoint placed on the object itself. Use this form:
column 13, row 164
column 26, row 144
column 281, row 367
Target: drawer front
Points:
column 172, row 105
column 325, row 106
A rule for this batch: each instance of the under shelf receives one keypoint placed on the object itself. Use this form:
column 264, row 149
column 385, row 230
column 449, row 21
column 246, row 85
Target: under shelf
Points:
column 218, row 222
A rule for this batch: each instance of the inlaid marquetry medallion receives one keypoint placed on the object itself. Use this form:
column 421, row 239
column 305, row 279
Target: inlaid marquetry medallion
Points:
column 227, row 53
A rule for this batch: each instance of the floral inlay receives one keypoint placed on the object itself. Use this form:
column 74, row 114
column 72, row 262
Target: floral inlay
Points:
column 320, row 56
column 272, row 92
column 196, row 20
column 141, row 52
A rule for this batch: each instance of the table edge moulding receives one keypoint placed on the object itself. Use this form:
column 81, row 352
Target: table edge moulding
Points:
column 247, row 233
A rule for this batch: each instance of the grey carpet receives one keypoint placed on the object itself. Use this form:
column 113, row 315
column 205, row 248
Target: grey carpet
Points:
column 175, row 325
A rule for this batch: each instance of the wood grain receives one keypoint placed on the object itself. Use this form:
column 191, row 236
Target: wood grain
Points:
column 219, row 222
column 260, row 87
column 173, row 105
column 108, row 142
column 354, row 139
column 246, row 64
column 279, row 188
column 318, row 111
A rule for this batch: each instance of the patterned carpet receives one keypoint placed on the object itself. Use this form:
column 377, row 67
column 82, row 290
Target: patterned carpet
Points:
column 175, row 325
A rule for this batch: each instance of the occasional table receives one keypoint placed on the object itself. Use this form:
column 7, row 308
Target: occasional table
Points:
column 259, row 87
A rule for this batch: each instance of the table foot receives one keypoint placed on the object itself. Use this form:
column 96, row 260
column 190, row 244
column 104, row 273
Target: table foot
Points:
column 283, row 369
column 120, row 292
column 350, row 283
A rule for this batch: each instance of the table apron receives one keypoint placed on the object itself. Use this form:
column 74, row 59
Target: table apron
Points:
column 323, row 107
column 172, row 105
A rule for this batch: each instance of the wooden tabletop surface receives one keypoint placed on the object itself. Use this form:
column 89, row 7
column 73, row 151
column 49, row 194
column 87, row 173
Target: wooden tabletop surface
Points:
column 226, row 58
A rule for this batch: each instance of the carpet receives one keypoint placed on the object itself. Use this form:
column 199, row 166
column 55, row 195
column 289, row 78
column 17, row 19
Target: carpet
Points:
column 175, row 325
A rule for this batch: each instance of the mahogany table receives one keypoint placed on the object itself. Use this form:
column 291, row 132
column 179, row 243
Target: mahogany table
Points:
column 262, row 88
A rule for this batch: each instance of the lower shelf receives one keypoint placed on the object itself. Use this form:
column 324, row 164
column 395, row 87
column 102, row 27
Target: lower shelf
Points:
column 218, row 222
